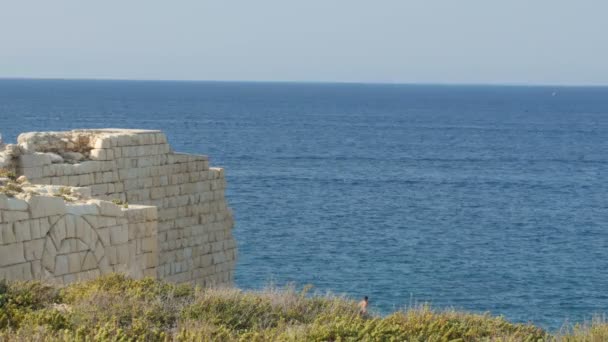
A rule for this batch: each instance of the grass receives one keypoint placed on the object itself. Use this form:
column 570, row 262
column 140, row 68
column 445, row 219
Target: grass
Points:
column 65, row 193
column 115, row 308
column 11, row 189
column 120, row 203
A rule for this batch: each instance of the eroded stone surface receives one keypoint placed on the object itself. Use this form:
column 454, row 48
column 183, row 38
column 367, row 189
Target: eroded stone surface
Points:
column 62, row 225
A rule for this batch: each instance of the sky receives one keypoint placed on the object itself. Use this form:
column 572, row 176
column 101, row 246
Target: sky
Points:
column 382, row 41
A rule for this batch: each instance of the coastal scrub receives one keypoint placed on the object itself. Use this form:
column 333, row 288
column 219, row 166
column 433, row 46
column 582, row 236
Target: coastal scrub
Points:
column 116, row 308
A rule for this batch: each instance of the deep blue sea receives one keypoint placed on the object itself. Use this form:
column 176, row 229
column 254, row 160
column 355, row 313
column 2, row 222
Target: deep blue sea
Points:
column 484, row 198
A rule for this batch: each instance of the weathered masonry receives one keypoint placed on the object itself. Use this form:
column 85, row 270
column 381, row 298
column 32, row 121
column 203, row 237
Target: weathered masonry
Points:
column 77, row 204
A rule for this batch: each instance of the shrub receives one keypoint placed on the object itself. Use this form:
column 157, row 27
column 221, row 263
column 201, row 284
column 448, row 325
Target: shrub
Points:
column 20, row 300
column 4, row 173
column 116, row 308
column 11, row 189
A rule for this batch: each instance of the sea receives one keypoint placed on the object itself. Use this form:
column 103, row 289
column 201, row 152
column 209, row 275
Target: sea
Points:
column 479, row 198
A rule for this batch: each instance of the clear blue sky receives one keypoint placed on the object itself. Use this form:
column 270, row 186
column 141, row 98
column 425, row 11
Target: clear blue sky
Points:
column 417, row 41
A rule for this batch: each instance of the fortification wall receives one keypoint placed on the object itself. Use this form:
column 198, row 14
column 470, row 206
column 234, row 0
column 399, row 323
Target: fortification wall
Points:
column 187, row 239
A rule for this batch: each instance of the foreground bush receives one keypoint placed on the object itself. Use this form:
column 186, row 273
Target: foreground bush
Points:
column 115, row 308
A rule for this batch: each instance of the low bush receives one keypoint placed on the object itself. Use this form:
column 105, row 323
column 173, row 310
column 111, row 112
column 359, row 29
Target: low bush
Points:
column 4, row 173
column 116, row 308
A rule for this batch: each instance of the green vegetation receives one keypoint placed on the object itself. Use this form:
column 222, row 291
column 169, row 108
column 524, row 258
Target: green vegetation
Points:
column 120, row 202
column 4, row 173
column 115, row 308
column 10, row 189
column 65, row 193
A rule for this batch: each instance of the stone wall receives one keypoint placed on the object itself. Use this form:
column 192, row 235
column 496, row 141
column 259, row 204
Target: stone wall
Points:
column 180, row 229
column 45, row 237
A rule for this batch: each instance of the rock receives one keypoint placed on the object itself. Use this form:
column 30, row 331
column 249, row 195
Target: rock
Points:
column 12, row 150
column 26, row 148
column 5, row 161
column 22, row 180
column 43, row 141
column 73, row 156
column 55, row 158
column 38, row 189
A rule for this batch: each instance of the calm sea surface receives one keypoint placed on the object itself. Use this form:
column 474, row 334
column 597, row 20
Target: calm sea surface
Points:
column 480, row 198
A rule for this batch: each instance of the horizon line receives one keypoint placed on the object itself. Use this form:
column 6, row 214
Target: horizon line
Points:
column 497, row 84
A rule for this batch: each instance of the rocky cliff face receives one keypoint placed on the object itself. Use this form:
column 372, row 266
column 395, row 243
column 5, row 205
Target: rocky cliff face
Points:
column 86, row 202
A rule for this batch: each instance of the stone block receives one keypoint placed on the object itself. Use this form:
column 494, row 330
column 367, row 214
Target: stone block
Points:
column 75, row 261
column 33, row 249
column 45, row 225
column 7, row 234
column 21, row 271
column 22, row 230
column 35, row 231
column 16, row 204
column 111, row 254
column 149, row 244
column 89, row 262
column 81, row 209
column 70, row 226
column 122, row 254
column 107, row 208
column 108, row 177
column 42, row 206
column 92, row 220
column 110, row 209
column 34, row 160
column 99, row 252
column 135, row 213
column 99, row 189
column 12, row 254
column 59, row 232
column 85, row 167
column 104, row 236
column 119, row 234
column 36, row 269
column 4, row 201
column 106, row 221
column 86, row 179
column 48, row 171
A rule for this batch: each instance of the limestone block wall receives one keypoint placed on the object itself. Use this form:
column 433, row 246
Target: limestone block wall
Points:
column 46, row 237
column 192, row 240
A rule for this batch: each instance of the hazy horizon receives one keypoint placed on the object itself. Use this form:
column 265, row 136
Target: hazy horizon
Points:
column 556, row 43
column 464, row 84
